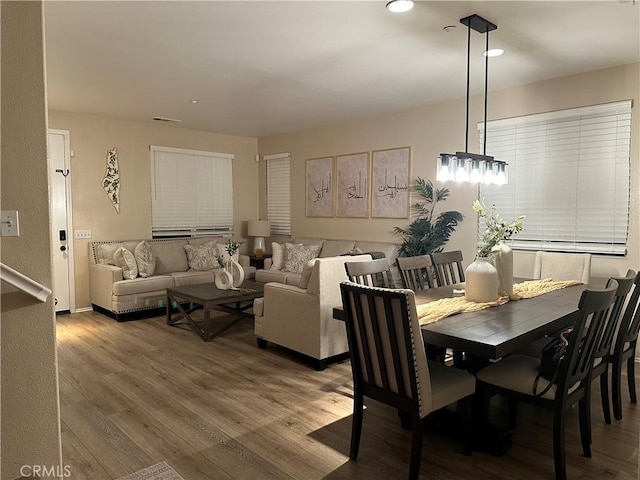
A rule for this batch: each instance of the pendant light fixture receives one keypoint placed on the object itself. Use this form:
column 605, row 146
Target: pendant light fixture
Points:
column 465, row 166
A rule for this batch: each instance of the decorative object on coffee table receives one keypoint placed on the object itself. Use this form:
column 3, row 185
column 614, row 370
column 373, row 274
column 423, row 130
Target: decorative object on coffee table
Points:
column 111, row 180
column 258, row 229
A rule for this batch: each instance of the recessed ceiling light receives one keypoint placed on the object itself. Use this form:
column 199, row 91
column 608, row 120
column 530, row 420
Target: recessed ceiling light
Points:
column 399, row 6
column 449, row 28
column 193, row 101
column 493, row 52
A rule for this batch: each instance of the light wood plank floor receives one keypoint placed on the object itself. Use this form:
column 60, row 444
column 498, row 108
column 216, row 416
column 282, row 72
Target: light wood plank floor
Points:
column 137, row 393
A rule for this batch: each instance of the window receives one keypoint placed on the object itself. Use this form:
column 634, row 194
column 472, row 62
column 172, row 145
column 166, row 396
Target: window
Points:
column 191, row 192
column 279, row 193
column 569, row 174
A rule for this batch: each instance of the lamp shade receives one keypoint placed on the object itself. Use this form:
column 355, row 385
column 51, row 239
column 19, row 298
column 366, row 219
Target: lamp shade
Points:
column 259, row 228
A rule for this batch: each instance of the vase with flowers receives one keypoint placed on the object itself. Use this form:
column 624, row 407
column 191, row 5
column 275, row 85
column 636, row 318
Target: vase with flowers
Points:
column 232, row 273
column 492, row 271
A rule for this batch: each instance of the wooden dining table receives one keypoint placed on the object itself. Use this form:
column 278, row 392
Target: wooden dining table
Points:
column 495, row 332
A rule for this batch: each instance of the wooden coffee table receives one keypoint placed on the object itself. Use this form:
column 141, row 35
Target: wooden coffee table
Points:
column 208, row 297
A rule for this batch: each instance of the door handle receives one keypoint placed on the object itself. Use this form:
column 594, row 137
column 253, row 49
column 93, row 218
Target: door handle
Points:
column 63, row 248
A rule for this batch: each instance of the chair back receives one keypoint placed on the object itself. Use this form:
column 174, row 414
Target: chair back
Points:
column 593, row 309
column 611, row 326
column 562, row 266
column 373, row 273
column 417, row 272
column 388, row 360
column 448, row 266
column 630, row 323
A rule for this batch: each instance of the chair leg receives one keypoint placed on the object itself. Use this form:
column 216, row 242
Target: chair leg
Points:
column 356, row 426
column 416, row 448
column 631, row 378
column 584, row 416
column 616, row 388
column 604, row 396
column 559, row 459
column 512, row 412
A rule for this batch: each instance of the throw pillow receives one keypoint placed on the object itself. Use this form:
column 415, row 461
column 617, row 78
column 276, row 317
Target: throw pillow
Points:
column 145, row 258
column 202, row 257
column 127, row 262
column 296, row 256
column 306, row 274
column 276, row 256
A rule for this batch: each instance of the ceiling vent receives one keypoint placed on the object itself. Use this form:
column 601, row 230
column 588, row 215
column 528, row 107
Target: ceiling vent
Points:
column 165, row 119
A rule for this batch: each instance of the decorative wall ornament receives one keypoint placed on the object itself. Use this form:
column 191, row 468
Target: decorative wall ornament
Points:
column 352, row 177
column 390, row 183
column 320, row 187
column 111, row 180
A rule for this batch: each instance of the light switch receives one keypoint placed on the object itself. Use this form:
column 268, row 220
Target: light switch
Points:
column 82, row 234
column 9, row 222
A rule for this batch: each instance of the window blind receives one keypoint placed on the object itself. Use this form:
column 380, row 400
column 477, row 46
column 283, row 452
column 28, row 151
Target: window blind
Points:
column 191, row 192
column 279, row 193
column 569, row 174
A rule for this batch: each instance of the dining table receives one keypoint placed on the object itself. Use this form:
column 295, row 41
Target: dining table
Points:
column 497, row 331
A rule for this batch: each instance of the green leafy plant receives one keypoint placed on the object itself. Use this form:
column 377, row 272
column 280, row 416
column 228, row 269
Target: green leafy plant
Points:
column 496, row 228
column 428, row 232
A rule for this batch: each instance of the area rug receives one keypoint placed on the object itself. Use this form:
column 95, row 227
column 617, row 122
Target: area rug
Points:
column 159, row 471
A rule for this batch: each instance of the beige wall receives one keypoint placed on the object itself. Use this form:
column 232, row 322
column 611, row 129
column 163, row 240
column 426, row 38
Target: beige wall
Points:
column 30, row 425
column 432, row 129
column 91, row 138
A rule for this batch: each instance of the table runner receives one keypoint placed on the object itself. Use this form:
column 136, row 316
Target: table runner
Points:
column 433, row 311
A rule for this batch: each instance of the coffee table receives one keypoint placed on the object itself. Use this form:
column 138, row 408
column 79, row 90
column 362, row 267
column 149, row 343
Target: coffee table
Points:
column 209, row 297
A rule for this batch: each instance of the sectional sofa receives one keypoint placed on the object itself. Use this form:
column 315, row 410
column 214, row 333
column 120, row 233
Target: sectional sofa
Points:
column 177, row 262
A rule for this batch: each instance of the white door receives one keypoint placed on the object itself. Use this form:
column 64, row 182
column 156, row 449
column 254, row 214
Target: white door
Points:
column 61, row 233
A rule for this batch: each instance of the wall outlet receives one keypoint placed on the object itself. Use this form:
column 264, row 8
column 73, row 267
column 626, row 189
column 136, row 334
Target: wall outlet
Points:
column 9, row 219
column 82, row 234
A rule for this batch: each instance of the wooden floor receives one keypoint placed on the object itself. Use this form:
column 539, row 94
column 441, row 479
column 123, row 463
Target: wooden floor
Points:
column 137, row 393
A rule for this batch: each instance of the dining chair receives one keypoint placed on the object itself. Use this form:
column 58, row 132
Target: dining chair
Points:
column 515, row 375
column 389, row 364
column 562, row 266
column 417, row 272
column 602, row 355
column 448, row 267
column 374, row 273
column 624, row 350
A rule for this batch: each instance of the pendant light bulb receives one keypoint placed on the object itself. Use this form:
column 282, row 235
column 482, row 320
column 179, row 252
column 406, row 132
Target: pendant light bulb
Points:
column 399, row 6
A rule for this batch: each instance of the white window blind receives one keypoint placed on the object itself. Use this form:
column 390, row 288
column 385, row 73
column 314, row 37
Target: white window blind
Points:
column 569, row 174
column 191, row 192
column 279, row 193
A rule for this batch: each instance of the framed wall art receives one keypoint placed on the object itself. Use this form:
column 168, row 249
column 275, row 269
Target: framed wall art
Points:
column 319, row 177
column 352, row 185
column 390, row 183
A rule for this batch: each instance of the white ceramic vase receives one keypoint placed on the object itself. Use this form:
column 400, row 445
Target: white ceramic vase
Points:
column 223, row 280
column 503, row 261
column 237, row 273
column 481, row 283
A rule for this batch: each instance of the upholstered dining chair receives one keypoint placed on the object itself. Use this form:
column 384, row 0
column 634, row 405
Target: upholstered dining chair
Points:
column 624, row 350
column 389, row 365
column 448, row 266
column 375, row 273
column 417, row 272
column 515, row 375
column 602, row 355
column 562, row 266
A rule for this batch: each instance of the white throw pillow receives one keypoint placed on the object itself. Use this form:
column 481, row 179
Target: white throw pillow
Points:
column 306, row 274
column 276, row 256
column 297, row 256
column 145, row 258
column 202, row 257
column 127, row 262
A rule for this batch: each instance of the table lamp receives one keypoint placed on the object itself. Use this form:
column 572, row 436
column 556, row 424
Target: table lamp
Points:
column 258, row 229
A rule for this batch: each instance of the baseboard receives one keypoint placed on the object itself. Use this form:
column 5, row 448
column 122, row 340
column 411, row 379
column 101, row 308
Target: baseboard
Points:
column 83, row 309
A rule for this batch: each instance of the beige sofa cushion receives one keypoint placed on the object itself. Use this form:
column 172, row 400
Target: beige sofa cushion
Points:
column 127, row 262
column 335, row 248
column 170, row 256
column 306, row 274
column 266, row 276
column 142, row 285
column 192, row 277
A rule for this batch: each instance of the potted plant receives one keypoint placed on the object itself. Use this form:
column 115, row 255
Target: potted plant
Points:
column 429, row 232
